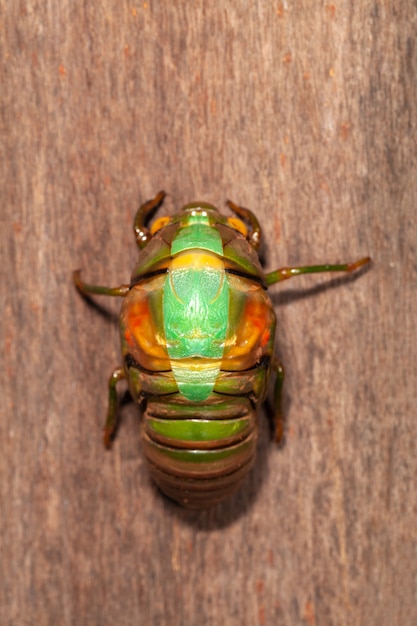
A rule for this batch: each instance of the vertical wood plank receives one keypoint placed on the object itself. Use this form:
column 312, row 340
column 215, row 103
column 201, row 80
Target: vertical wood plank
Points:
column 307, row 115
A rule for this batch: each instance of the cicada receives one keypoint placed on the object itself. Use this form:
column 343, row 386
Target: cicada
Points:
column 197, row 331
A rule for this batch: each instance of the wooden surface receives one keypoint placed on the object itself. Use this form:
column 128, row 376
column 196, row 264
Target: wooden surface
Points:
column 305, row 112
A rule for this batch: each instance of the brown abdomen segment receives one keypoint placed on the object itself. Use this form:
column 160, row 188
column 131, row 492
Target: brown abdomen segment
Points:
column 196, row 456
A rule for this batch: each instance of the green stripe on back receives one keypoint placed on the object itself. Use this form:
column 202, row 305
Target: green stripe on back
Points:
column 196, row 430
column 196, row 307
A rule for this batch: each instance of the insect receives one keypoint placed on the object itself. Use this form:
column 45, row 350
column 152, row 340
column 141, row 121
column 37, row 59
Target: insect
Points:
column 197, row 331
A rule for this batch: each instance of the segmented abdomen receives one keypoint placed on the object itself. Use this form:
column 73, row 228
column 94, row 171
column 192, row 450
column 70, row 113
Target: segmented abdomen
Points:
column 199, row 457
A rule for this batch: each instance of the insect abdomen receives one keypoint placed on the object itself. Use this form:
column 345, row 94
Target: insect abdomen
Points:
column 195, row 459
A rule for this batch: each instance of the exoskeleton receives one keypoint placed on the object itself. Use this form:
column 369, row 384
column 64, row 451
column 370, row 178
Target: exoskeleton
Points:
column 197, row 331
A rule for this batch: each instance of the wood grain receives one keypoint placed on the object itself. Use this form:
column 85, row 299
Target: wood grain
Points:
column 306, row 113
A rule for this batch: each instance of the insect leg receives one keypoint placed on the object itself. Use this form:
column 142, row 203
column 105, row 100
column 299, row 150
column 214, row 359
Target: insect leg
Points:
column 142, row 234
column 279, row 420
column 97, row 289
column 284, row 273
column 111, row 420
column 254, row 237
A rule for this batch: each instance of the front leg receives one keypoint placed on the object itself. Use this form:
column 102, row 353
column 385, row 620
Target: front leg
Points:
column 255, row 235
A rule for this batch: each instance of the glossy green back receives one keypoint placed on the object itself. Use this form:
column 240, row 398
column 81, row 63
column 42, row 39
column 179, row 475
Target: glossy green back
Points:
column 196, row 306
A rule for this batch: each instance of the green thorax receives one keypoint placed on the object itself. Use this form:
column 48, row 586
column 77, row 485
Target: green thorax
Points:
column 196, row 305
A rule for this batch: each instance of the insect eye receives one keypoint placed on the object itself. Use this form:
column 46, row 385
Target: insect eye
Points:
column 238, row 225
column 159, row 223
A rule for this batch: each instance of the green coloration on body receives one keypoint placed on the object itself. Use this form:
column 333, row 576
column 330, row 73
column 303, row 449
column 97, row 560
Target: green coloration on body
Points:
column 198, row 430
column 196, row 233
column 196, row 307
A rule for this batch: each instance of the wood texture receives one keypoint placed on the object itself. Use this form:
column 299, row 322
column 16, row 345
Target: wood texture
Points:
column 306, row 113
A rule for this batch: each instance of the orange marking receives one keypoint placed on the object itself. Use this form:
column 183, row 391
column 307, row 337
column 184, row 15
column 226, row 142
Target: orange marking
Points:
column 253, row 331
column 197, row 259
column 129, row 338
column 265, row 337
column 159, row 223
column 238, row 225
column 142, row 335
